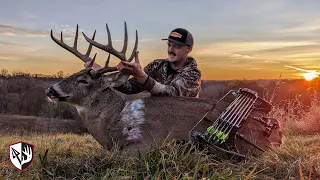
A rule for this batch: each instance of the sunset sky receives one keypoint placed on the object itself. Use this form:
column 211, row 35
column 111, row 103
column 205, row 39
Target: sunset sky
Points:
column 233, row 39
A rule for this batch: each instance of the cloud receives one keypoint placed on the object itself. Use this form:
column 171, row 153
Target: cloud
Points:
column 304, row 55
column 255, row 68
column 241, row 56
column 33, row 16
column 9, row 57
column 7, row 30
column 68, row 32
column 101, row 37
column 245, row 47
column 38, row 58
column 9, row 34
column 264, row 52
column 13, row 43
column 311, row 26
column 291, row 49
column 147, row 40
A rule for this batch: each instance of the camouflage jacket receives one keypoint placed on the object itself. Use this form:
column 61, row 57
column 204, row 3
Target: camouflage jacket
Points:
column 163, row 80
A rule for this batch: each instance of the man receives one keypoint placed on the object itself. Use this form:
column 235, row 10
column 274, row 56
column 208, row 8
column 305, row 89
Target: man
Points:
column 177, row 75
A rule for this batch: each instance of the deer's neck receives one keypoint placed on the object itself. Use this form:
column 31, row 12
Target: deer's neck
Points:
column 99, row 112
column 102, row 104
column 105, row 101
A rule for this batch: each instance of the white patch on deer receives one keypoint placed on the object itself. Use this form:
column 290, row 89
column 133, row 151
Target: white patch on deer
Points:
column 132, row 116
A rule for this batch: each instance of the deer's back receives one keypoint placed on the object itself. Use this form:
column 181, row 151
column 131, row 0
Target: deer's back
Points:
column 175, row 116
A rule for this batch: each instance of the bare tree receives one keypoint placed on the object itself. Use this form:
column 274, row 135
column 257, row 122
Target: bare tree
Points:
column 4, row 100
column 60, row 74
column 4, row 72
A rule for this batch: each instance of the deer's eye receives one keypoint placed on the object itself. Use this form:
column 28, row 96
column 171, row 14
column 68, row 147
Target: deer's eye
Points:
column 83, row 81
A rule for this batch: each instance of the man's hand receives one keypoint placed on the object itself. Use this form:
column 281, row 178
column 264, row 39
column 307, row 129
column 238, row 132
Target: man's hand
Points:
column 133, row 69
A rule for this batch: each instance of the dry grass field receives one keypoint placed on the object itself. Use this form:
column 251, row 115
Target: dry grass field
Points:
column 72, row 156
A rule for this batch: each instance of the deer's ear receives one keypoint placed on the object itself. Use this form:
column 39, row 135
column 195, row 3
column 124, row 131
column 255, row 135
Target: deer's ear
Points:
column 115, row 79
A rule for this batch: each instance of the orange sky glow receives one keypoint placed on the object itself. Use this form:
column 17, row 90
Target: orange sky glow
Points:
column 229, row 43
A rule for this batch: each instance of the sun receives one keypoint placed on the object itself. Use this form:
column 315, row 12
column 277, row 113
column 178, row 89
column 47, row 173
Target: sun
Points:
column 310, row 75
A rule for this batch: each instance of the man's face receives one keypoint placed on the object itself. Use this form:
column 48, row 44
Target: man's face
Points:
column 177, row 52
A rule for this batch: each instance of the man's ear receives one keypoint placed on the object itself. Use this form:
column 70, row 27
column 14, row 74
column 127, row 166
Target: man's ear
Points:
column 189, row 49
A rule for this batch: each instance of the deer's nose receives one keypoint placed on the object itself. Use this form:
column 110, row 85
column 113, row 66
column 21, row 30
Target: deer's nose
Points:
column 50, row 92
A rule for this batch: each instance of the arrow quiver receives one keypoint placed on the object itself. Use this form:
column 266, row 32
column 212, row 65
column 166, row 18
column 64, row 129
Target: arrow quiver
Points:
column 244, row 121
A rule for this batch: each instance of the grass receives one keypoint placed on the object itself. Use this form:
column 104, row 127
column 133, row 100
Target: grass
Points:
column 73, row 156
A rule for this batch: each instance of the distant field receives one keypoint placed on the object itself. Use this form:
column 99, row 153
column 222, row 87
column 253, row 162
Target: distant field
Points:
column 23, row 125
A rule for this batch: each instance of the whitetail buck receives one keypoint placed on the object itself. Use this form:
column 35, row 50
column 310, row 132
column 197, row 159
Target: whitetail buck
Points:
column 112, row 117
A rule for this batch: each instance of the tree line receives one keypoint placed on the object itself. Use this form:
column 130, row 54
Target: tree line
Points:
column 24, row 94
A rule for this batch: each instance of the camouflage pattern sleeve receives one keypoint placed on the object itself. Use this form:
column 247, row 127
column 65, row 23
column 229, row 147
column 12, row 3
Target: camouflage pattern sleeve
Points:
column 187, row 83
column 132, row 86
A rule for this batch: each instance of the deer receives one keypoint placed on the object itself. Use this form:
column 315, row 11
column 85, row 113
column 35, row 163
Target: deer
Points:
column 133, row 124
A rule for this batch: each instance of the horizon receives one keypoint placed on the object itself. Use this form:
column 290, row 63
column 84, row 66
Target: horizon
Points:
column 61, row 74
column 233, row 40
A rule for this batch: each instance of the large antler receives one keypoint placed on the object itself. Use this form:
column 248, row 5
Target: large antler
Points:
column 106, row 67
column 84, row 57
column 109, row 48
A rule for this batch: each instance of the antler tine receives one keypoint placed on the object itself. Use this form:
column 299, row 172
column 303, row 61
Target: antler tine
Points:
column 108, row 48
column 92, row 61
column 125, row 44
column 61, row 37
column 73, row 50
column 75, row 44
column 106, row 67
column 134, row 49
column 109, row 37
column 107, row 62
column 90, row 46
